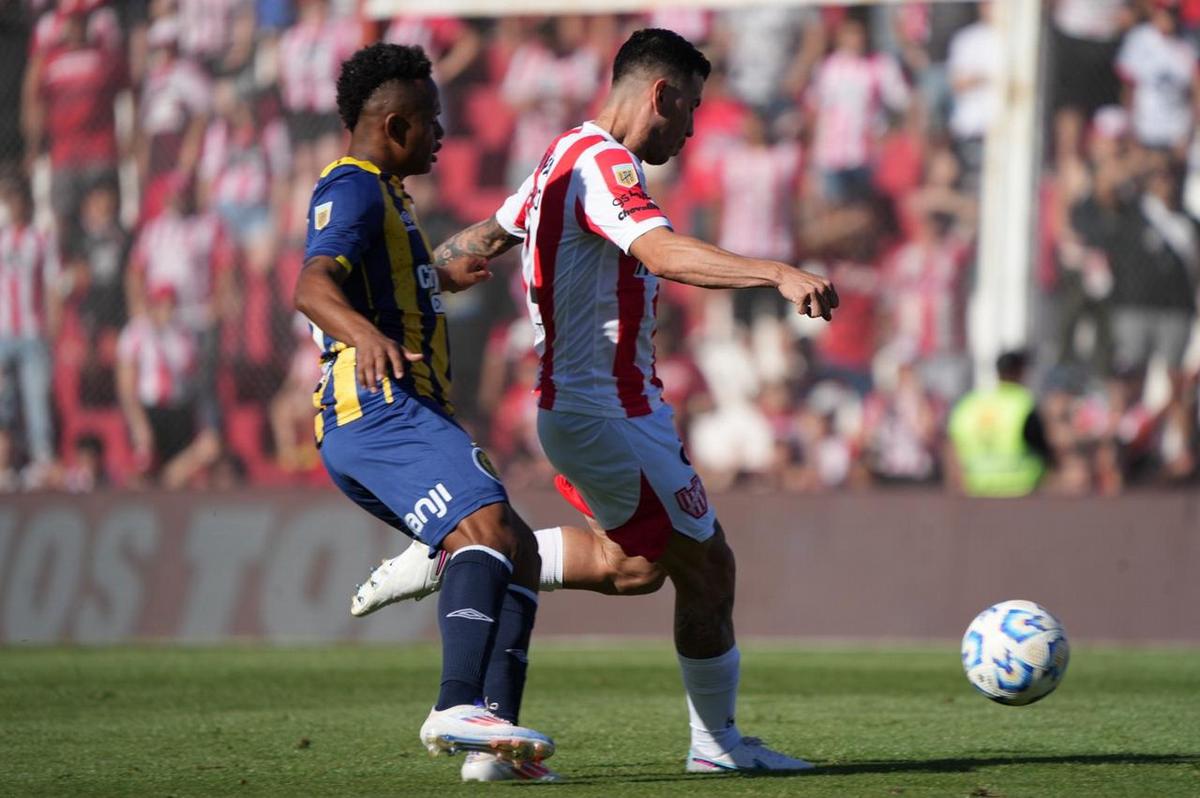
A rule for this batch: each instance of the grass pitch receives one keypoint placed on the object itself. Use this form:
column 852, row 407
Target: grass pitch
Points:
column 343, row 721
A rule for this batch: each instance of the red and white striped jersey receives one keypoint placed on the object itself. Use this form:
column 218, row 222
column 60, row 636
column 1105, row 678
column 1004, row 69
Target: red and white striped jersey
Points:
column 186, row 253
column 206, row 26
column 312, row 55
column 760, row 223
column 172, row 95
column 240, row 164
column 103, row 30
column 848, row 95
column 29, row 271
column 163, row 359
column 925, row 287
column 592, row 304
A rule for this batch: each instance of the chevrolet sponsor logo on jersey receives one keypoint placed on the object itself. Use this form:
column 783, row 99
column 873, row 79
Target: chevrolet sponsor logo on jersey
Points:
column 625, row 175
column 321, row 215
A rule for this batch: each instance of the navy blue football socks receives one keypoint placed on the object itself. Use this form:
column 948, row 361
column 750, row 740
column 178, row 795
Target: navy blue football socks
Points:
column 505, row 680
column 469, row 610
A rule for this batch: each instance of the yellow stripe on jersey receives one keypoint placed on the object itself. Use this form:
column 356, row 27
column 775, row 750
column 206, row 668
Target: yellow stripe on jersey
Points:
column 404, row 290
column 346, row 406
column 441, row 356
column 387, row 390
column 404, row 281
column 346, row 264
column 439, row 367
column 319, row 427
column 348, row 161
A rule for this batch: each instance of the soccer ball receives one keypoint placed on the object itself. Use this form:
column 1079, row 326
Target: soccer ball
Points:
column 1015, row 652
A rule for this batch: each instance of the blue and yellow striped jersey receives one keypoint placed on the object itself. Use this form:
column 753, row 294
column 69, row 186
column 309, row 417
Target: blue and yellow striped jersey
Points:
column 361, row 217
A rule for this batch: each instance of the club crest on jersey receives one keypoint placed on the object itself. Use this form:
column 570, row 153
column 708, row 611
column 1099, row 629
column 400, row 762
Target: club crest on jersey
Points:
column 625, row 175
column 484, row 463
column 692, row 499
column 322, row 214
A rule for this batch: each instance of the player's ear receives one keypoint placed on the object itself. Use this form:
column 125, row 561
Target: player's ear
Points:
column 660, row 94
column 397, row 128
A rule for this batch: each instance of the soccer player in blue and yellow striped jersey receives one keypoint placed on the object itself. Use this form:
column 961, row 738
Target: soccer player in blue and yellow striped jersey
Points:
column 385, row 427
column 388, row 279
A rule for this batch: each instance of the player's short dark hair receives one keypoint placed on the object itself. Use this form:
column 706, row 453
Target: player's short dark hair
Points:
column 663, row 50
column 1011, row 365
column 370, row 68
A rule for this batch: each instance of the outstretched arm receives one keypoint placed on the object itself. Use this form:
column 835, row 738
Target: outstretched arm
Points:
column 461, row 261
column 695, row 262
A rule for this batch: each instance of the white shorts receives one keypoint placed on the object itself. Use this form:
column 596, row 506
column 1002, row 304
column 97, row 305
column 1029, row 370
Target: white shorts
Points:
column 631, row 475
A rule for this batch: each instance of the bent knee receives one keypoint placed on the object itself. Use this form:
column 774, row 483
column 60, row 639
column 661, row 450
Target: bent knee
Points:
column 497, row 527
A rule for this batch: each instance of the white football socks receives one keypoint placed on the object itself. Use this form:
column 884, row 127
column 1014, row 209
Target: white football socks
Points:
column 550, row 547
column 711, row 686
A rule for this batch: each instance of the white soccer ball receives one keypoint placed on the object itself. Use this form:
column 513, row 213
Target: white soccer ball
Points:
column 1015, row 652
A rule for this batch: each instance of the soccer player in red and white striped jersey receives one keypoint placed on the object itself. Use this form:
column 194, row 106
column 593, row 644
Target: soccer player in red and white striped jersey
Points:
column 594, row 247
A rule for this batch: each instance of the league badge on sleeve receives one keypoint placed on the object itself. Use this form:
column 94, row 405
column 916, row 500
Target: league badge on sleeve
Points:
column 625, row 175
column 322, row 214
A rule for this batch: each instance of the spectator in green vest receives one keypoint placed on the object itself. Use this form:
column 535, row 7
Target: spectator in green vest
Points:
column 997, row 444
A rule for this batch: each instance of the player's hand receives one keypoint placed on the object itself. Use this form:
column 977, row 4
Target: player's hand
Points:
column 463, row 273
column 376, row 354
column 812, row 294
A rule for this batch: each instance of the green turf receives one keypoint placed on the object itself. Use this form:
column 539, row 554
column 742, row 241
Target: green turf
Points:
column 343, row 722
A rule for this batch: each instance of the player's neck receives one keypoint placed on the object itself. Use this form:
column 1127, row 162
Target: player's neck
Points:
column 371, row 152
column 619, row 119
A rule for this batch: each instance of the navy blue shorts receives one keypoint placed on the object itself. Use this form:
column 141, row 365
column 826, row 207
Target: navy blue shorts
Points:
column 412, row 467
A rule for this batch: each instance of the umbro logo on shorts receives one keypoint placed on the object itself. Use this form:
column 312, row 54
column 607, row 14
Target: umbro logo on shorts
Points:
column 470, row 614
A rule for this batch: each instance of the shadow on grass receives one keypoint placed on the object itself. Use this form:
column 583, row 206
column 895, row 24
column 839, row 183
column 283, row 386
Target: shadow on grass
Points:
column 955, row 765
column 968, row 764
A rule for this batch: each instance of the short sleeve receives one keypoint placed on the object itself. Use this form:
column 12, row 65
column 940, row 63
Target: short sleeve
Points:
column 1129, row 56
column 512, row 214
column 959, row 59
column 345, row 217
column 127, row 342
column 615, row 203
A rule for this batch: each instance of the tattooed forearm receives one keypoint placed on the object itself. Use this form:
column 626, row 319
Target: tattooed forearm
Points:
column 485, row 239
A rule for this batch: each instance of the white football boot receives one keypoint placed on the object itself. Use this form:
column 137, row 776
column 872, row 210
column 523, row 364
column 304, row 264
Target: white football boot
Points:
column 470, row 728
column 489, row 767
column 412, row 575
column 751, row 755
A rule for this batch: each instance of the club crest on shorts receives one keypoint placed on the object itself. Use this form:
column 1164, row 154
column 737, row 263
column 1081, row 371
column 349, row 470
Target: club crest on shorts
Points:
column 625, row 175
column 322, row 214
column 484, row 463
column 692, row 499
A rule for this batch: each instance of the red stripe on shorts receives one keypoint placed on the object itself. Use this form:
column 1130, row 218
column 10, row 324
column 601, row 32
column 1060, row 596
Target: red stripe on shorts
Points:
column 648, row 530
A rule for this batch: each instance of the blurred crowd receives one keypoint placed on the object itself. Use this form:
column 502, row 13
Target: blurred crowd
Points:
column 153, row 189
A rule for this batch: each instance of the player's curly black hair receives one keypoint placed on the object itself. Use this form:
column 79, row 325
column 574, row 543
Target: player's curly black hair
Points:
column 656, row 48
column 370, row 68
